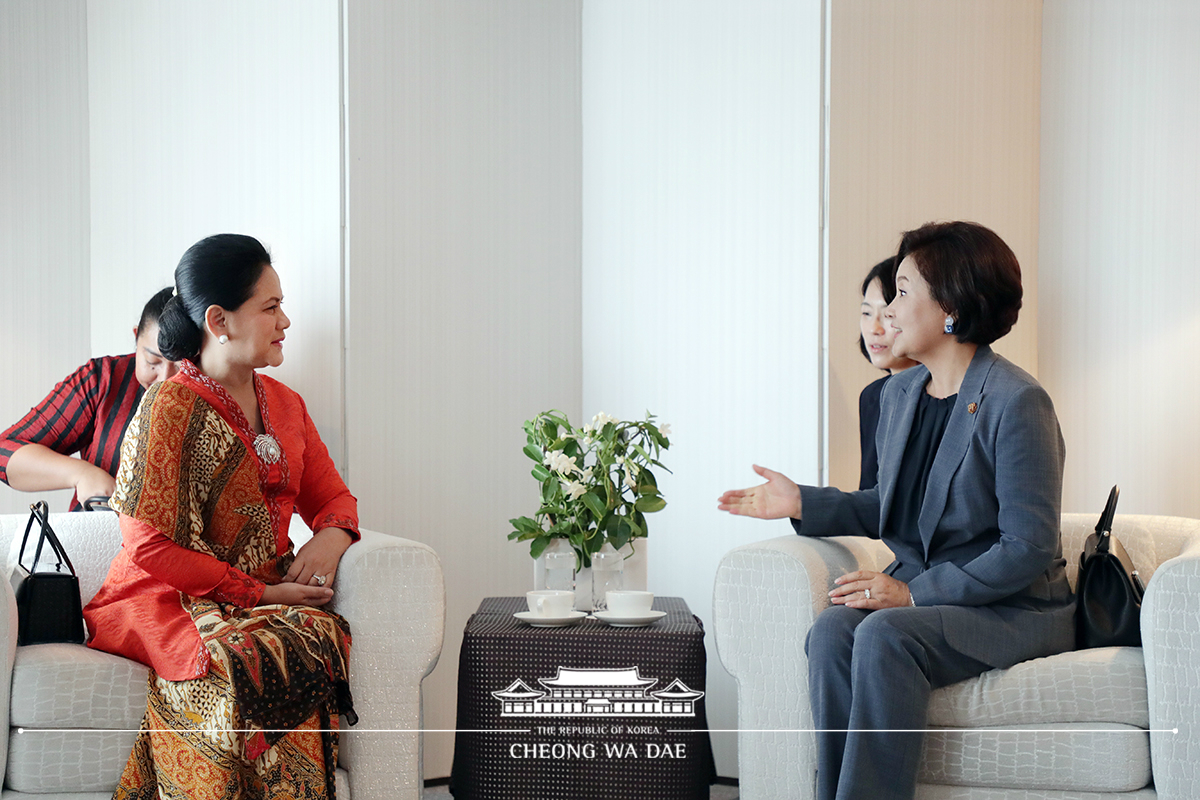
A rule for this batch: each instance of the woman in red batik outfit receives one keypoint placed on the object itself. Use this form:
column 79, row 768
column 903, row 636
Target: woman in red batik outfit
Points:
column 249, row 676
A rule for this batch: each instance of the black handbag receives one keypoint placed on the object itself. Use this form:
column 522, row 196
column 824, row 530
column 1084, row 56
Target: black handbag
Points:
column 48, row 604
column 1109, row 590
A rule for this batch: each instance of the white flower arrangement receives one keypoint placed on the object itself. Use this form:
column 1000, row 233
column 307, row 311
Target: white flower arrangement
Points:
column 596, row 483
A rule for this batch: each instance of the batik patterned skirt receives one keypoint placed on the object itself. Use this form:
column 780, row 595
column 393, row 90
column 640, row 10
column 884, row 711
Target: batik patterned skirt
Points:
column 261, row 724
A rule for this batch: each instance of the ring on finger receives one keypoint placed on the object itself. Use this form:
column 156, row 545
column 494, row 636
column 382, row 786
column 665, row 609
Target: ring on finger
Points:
column 867, row 593
column 320, row 579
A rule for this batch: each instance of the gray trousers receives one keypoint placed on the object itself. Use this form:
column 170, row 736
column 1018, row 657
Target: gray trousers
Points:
column 869, row 674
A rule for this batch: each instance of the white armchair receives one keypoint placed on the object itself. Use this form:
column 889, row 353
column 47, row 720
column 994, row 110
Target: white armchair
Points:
column 1068, row 727
column 73, row 712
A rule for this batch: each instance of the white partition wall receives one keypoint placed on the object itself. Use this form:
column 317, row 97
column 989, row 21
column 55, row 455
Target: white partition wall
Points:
column 43, row 207
column 701, row 245
column 463, row 229
column 1120, row 245
column 214, row 117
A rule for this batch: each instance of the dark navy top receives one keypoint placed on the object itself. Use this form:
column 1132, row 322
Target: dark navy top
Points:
column 924, row 438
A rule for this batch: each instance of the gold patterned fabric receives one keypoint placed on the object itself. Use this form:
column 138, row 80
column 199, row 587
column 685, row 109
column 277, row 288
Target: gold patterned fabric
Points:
column 254, row 694
column 197, row 744
column 192, row 477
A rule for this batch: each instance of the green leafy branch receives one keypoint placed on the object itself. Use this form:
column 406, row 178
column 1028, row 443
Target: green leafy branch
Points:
column 596, row 482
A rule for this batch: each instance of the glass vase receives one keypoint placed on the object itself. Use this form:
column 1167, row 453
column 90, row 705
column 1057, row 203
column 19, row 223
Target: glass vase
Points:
column 608, row 572
column 558, row 565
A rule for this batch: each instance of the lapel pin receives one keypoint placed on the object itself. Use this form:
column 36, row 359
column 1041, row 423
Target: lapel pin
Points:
column 972, row 408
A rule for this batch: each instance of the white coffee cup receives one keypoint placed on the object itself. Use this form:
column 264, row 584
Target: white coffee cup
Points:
column 629, row 603
column 550, row 602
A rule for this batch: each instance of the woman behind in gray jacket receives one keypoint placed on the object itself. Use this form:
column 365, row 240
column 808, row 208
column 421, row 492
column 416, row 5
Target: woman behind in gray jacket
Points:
column 970, row 488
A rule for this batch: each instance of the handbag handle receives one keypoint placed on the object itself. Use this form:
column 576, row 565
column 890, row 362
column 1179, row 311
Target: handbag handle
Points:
column 41, row 512
column 98, row 502
column 1104, row 524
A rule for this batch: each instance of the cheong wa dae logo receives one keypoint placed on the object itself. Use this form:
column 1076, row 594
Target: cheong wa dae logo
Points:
column 597, row 693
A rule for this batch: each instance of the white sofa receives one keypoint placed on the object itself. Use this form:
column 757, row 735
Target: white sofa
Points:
column 73, row 711
column 1068, row 727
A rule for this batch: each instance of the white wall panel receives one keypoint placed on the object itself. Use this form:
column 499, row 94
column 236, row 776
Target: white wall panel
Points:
column 463, row 226
column 933, row 116
column 1120, row 242
column 43, row 207
column 212, row 117
column 701, row 288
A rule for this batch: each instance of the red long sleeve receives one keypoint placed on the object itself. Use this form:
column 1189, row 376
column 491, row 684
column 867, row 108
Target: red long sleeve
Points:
column 188, row 571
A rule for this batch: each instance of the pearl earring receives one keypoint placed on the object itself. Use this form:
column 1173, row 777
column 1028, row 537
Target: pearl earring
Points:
column 949, row 325
column 223, row 339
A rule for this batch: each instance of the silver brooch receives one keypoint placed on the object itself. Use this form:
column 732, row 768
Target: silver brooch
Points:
column 267, row 448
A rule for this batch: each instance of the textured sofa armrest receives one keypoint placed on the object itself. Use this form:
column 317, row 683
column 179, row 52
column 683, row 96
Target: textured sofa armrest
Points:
column 1171, row 645
column 765, row 599
column 391, row 592
column 8, row 652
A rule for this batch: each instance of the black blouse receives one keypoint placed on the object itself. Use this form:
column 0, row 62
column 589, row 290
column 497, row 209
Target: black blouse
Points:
column 923, row 441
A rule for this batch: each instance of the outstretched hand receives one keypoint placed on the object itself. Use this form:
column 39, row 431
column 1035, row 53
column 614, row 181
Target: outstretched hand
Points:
column 778, row 498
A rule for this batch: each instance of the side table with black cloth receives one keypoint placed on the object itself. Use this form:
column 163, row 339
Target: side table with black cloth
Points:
column 585, row 712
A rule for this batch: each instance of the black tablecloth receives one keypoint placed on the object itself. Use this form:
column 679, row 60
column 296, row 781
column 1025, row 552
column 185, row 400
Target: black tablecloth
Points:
column 587, row 712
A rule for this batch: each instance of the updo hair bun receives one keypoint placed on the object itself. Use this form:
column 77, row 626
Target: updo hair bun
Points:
column 178, row 336
column 220, row 270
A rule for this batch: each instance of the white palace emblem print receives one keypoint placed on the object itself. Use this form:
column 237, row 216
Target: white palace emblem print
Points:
column 597, row 693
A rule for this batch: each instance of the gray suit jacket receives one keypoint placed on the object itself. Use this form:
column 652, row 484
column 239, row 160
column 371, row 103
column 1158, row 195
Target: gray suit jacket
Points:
column 989, row 524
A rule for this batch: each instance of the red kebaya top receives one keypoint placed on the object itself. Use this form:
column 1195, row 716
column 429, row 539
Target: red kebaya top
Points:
column 197, row 501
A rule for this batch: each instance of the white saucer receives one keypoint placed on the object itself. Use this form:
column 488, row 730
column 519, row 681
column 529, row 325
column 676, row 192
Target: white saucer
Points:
column 544, row 621
column 623, row 621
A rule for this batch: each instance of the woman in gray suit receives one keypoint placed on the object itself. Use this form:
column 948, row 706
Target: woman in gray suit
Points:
column 970, row 485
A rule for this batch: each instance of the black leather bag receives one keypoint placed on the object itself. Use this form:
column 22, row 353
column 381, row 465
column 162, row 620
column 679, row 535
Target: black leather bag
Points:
column 1109, row 590
column 48, row 604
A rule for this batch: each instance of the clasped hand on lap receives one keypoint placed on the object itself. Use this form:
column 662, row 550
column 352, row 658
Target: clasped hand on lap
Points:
column 885, row 591
column 295, row 594
column 779, row 498
column 318, row 559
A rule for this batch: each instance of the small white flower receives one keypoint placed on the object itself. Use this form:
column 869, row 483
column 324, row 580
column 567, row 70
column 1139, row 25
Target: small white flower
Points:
column 630, row 482
column 619, row 460
column 565, row 464
column 587, row 475
column 561, row 463
column 665, row 429
column 602, row 419
column 575, row 490
column 587, row 429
